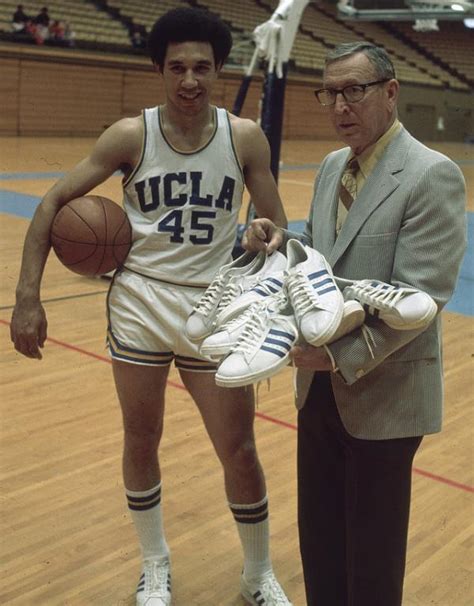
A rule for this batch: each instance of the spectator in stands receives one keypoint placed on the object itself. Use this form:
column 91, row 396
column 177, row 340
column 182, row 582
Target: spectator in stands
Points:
column 69, row 35
column 41, row 26
column 56, row 32
column 138, row 35
column 20, row 20
column 61, row 34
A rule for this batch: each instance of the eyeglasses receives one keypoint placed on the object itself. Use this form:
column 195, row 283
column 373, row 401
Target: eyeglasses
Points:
column 352, row 93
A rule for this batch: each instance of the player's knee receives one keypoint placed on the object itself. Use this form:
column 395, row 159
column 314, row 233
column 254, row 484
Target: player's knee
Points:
column 241, row 455
column 140, row 437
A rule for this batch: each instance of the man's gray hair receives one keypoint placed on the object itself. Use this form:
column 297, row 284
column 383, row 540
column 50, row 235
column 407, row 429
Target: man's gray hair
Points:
column 378, row 57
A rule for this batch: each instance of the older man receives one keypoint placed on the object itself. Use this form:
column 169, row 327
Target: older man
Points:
column 387, row 208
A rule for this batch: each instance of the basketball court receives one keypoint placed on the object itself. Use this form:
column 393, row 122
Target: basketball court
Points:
column 67, row 538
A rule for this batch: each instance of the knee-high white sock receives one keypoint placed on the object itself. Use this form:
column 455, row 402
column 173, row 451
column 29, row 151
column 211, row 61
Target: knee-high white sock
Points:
column 253, row 527
column 145, row 509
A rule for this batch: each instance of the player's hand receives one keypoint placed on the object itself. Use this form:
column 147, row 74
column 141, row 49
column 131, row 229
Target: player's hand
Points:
column 262, row 234
column 28, row 329
column 311, row 358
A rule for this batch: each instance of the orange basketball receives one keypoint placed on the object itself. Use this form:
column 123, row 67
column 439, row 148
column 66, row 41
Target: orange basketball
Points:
column 91, row 235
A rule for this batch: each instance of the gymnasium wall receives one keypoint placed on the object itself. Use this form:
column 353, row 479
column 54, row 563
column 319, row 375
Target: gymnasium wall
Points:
column 59, row 93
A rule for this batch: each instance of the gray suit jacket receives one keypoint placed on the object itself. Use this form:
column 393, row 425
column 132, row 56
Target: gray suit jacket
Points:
column 406, row 227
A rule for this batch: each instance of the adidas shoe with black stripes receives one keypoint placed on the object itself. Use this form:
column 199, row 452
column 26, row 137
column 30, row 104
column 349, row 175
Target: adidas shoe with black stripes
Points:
column 266, row 592
column 154, row 586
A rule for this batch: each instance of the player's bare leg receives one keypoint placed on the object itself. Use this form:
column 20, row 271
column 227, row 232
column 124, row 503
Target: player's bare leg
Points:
column 228, row 415
column 141, row 393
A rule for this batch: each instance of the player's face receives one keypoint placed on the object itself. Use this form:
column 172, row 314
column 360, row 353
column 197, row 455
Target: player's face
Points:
column 189, row 73
column 360, row 124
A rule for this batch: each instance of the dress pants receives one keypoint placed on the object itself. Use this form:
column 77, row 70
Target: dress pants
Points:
column 353, row 507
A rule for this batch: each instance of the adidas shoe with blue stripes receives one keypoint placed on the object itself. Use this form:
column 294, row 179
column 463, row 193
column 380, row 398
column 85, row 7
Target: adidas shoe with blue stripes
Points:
column 226, row 337
column 202, row 320
column 154, row 586
column 317, row 301
column 399, row 307
column 266, row 288
column 263, row 348
column 245, row 290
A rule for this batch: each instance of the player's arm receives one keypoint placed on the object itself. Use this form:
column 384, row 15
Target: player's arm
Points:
column 117, row 146
column 254, row 154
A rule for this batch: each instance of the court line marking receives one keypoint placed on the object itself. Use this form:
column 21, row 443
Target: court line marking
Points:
column 264, row 417
column 65, row 298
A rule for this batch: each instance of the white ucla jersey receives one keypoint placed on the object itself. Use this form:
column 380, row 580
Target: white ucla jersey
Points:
column 183, row 206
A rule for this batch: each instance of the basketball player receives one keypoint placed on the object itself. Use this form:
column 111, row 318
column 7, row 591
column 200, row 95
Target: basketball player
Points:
column 185, row 164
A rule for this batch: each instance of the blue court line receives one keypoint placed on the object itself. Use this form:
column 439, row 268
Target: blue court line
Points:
column 41, row 175
column 462, row 302
column 27, row 176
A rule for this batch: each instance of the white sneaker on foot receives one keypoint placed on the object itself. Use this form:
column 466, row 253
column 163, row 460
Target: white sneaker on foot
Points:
column 241, row 291
column 263, row 347
column 314, row 295
column 400, row 308
column 154, row 586
column 202, row 320
column 267, row 592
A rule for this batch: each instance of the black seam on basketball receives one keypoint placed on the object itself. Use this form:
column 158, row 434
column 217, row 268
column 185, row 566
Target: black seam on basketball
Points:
column 104, row 248
column 84, row 221
column 129, row 243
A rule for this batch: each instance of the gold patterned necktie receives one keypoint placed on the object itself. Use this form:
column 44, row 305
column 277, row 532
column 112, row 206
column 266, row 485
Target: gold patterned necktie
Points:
column 348, row 188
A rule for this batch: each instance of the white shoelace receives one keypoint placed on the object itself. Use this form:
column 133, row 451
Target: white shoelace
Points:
column 249, row 339
column 271, row 589
column 232, row 290
column 209, row 300
column 258, row 322
column 303, row 297
column 156, row 579
column 230, row 325
column 380, row 296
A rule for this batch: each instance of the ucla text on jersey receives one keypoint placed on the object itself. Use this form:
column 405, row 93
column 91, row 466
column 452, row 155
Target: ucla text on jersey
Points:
column 168, row 190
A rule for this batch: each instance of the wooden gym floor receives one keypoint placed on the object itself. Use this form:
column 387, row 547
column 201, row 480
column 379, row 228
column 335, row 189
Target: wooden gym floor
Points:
column 66, row 535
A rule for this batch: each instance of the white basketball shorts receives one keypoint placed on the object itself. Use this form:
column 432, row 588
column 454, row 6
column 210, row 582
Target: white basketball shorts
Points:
column 146, row 320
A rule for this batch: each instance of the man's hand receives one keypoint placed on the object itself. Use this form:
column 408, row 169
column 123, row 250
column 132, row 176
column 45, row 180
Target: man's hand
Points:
column 262, row 234
column 311, row 358
column 28, row 329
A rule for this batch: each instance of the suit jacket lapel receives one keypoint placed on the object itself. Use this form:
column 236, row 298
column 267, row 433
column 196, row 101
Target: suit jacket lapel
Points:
column 325, row 231
column 378, row 187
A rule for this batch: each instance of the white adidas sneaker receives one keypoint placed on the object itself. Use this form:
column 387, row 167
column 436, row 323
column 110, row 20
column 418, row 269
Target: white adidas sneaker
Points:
column 317, row 301
column 225, row 338
column 400, row 308
column 353, row 316
column 263, row 347
column 202, row 320
column 267, row 592
column 154, row 586
column 242, row 290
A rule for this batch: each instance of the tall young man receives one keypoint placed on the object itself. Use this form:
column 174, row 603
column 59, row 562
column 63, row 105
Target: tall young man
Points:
column 185, row 165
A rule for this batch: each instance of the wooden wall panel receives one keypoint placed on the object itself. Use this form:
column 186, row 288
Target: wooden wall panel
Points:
column 304, row 117
column 141, row 89
column 64, row 99
column 9, row 87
